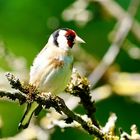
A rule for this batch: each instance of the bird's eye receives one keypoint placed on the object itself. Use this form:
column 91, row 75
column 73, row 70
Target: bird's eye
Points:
column 70, row 38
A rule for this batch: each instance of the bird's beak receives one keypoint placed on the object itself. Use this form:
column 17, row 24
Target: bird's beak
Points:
column 79, row 40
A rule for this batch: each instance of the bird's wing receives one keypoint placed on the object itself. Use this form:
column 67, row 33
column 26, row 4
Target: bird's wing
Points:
column 38, row 70
column 38, row 65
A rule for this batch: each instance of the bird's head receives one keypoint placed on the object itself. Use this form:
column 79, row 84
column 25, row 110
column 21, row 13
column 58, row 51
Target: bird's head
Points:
column 65, row 38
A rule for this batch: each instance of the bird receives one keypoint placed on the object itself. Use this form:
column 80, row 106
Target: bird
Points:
column 52, row 68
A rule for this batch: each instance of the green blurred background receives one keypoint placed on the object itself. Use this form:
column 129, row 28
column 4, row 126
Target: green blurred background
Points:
column 25, row 27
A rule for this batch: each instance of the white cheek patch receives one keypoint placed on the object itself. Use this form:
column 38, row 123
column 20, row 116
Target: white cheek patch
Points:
column 62, row 41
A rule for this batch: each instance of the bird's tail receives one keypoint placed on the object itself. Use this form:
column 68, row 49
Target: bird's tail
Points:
column 31, row 107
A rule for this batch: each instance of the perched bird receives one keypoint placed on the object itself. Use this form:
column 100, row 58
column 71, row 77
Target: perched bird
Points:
column 52, row 68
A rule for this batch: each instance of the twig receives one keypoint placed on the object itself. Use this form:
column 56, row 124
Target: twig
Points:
column 16, row 84
column 93, row 130
column 13, row 96
column 124, row 27
column 79, row 86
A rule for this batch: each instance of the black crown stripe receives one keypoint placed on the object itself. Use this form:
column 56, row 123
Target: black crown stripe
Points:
column 55, row 35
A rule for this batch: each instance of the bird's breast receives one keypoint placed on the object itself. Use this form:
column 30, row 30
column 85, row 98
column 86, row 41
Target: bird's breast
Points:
column 57, row 79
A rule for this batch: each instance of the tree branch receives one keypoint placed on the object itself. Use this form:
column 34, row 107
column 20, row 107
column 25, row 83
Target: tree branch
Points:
column 30, row 93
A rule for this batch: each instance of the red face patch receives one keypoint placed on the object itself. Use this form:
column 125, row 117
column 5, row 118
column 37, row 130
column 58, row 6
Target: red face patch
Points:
column 70, row 35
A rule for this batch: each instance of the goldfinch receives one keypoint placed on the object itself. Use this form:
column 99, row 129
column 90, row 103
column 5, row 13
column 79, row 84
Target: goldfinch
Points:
column 52, row 68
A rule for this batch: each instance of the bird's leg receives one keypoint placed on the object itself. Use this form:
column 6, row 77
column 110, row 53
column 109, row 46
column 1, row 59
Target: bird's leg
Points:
column 32, row 90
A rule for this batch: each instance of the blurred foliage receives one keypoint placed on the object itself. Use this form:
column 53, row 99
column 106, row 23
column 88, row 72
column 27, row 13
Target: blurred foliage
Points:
column 25, row 27
column 10, row 115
